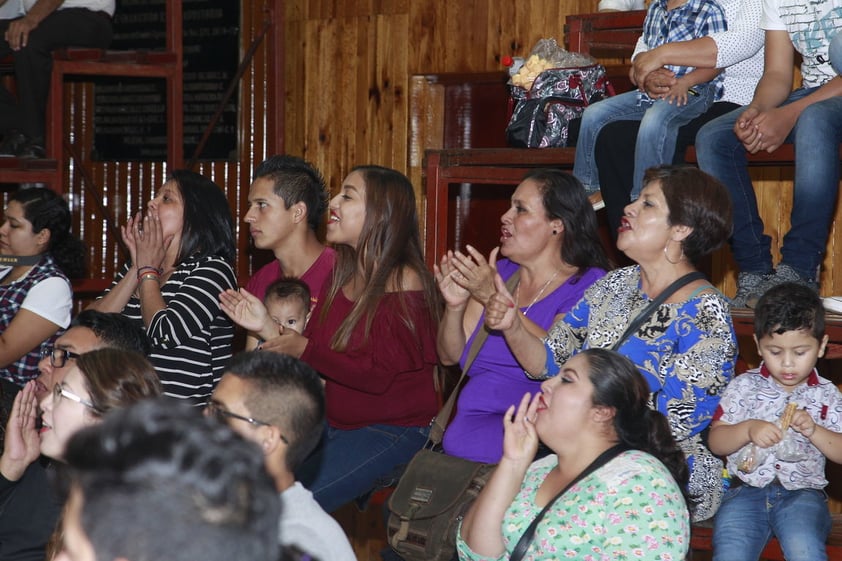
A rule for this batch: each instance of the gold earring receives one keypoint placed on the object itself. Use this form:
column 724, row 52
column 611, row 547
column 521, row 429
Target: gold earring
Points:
column 667, row 256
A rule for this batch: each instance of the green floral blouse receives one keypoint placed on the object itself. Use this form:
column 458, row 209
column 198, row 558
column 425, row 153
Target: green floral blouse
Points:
column 631, row 508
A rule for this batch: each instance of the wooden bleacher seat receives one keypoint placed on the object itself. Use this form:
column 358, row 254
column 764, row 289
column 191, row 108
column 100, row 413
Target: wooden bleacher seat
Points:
column 166, row 64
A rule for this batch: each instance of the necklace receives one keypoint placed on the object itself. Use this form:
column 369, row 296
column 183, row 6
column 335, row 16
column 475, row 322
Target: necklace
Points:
column 537, row 296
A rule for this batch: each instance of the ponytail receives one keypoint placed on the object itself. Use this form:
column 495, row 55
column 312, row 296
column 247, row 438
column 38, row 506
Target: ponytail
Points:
column 44, row 208
column 618, row 384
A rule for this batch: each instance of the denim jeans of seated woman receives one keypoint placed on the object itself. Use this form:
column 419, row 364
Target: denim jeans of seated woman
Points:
column 816, row 136
column 656, row 138
column 348, row 463
column 749, row 516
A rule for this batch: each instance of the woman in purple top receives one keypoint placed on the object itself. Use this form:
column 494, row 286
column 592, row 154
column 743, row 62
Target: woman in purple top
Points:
column 550, row 236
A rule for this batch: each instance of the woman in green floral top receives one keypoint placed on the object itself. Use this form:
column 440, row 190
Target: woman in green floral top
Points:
column 630, row 508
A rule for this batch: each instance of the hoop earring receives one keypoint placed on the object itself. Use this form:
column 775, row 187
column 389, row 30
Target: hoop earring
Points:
column 667, row 256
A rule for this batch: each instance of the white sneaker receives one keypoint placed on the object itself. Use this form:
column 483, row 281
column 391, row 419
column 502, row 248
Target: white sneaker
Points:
column 596, row 200
column 833, row 304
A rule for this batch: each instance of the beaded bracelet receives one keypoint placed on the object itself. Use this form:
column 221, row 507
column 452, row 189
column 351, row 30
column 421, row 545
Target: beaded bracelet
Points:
column 148, row 270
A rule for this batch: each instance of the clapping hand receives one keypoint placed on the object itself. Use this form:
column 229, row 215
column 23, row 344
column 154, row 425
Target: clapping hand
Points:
column 128, row 235
column 455, row 296
column 244, row 309
column 150, row 245
column 500, row 312
column 475, row 274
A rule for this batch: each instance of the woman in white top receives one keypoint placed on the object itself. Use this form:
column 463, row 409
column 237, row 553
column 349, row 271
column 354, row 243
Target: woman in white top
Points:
column 38, row 255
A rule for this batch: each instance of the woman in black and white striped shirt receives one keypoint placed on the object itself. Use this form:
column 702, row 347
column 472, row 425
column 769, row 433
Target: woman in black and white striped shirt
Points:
column 181, row 255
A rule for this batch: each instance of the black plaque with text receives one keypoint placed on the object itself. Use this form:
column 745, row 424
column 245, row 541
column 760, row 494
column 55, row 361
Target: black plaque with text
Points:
column 130, row 114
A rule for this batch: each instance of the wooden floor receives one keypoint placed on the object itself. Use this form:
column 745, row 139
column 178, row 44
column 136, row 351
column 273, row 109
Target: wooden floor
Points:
column 366, row 530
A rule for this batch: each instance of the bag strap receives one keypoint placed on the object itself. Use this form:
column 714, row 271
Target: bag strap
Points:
column 441, row 419
column 653, row 305
column 523, row 543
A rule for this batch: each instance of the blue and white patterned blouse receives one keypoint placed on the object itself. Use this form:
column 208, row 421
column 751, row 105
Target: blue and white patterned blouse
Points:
column 686, row 351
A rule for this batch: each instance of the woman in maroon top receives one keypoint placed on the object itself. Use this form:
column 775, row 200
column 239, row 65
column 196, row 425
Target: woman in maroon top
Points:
column 372, row 336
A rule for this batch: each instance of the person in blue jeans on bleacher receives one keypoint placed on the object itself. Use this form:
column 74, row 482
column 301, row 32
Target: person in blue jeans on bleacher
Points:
column 811, row 119
column 693, row 93
column 777, row 471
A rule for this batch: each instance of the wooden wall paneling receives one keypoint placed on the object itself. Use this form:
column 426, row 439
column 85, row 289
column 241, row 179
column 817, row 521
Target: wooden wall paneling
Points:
column 426, row 36
column 466, row 26
column 127, row 186
column 295, row 45
column 426, row 131
column 388, row 104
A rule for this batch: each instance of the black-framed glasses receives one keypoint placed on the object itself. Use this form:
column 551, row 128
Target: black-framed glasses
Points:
column 58, row 357
column 60, row 391
column 217, row 411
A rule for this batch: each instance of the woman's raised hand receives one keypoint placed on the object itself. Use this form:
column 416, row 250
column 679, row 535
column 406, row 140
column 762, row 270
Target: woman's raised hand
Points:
column 22, row 445
column 244, row 309
column 520, row 439
column 455, row 296
column 128, row 234
column 151, row 247
column 500, row 312
column 475, row 273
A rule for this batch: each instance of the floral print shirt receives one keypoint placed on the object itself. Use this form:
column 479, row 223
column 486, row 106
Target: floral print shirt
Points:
column 631, row 508
column 686, row 351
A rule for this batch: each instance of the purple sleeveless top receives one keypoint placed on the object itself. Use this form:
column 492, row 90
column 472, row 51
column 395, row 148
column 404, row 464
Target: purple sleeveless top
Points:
column 496, row 381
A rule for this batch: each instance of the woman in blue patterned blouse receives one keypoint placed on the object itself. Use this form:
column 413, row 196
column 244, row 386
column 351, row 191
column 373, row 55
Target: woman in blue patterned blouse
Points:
column 686, row 350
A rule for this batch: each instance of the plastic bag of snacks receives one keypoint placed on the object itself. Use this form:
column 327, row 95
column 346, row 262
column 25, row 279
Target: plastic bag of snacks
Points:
column 551, row 88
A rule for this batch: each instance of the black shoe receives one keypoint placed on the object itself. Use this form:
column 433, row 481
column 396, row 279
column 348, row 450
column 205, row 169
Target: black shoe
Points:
column 12, row 143
column 32, row 150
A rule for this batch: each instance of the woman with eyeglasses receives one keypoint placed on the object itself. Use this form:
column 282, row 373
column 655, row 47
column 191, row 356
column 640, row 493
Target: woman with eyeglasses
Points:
column 100, row 381
column 38, row 256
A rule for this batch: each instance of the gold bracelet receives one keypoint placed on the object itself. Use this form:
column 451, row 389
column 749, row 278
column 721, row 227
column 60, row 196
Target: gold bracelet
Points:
column 149, row 276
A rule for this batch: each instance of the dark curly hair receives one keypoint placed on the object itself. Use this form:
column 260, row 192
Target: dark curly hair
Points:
column 44, row 208
column 789, row 307
column 160, row 481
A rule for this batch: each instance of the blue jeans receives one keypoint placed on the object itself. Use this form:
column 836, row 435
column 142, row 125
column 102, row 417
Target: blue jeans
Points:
column 659, row 124
column 749, row 516
column 348, row 463
column 816, row 137
column 835, row 52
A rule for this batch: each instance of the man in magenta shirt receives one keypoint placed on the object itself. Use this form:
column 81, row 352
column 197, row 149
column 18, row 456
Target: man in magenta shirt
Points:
column 286, row 202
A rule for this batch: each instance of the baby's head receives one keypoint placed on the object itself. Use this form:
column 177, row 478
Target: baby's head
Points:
column 288, row 302
column 789, row 332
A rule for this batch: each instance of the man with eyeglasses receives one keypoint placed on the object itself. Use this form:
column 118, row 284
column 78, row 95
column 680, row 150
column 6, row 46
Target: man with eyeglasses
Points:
column 90, row 330
column 277, row 402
